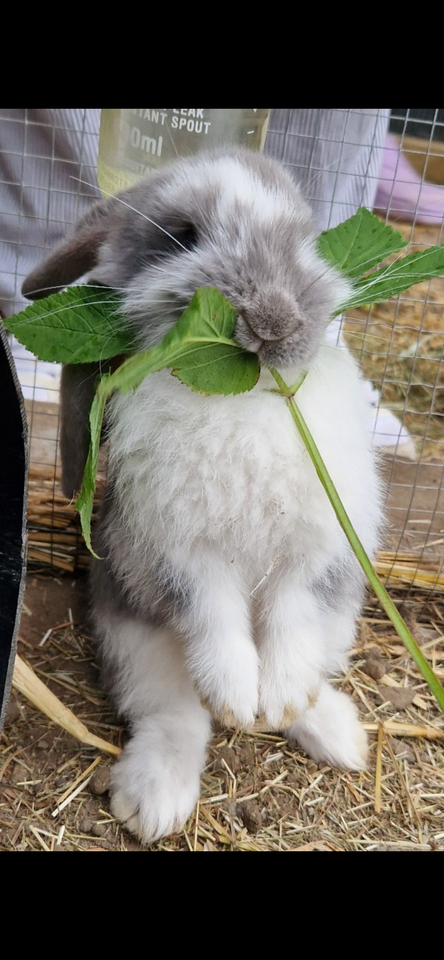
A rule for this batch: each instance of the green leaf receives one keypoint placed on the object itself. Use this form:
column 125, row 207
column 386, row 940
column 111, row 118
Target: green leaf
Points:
column 85, row 500
column 198, row 349
column 359, row 243
column 397, row 276
column 219, row 368
column 210, row 362
column 78, row 325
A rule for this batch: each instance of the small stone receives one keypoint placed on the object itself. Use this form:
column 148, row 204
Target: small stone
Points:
column 402, row 749
column 13, row 712
column 373, row 653
column 374, row 668
column 18, row 773
column 399, row 697
column 37, row 788
column 98, row 829
column 85, row 825
column 250, row 815
column 100, row 780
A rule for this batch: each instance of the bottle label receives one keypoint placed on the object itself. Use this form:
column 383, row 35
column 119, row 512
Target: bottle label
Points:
column 135, row 142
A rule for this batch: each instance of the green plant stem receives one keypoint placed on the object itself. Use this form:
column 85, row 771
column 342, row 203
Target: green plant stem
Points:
column 356, row 545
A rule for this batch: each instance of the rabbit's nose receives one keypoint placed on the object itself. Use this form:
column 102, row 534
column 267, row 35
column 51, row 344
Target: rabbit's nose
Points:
column 272, row 315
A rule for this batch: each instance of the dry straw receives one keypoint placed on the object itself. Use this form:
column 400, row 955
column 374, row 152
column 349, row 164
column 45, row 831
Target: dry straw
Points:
column 28, row 683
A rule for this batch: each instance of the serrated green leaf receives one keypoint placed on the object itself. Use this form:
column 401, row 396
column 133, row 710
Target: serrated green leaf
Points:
column 397, row 277
column 359, row 243
column 193, row 349
column 219, row 368
column 79, row 325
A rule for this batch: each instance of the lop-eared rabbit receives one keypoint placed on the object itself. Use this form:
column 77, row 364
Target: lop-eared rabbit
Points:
column 226, row 587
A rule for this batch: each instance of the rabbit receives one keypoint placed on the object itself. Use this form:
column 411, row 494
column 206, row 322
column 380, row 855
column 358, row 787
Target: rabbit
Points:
column 226, row 589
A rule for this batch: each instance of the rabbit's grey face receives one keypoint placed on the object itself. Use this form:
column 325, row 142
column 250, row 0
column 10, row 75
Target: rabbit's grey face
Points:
column 236, row 222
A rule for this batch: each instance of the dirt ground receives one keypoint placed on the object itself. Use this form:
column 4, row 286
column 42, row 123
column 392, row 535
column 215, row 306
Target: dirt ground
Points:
column 258, row 792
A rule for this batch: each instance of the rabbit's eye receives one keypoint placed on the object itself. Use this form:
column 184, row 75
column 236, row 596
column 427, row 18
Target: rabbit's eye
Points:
column 183, row 233
column 186, row 235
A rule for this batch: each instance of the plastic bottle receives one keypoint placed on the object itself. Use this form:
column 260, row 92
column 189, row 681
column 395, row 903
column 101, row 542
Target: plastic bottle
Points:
column 135, row 142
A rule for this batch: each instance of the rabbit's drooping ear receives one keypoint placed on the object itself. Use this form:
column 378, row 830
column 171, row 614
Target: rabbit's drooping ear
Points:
column 77, row 388
column 72, row 258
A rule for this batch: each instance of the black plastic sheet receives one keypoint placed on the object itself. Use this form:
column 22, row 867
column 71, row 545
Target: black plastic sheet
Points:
column 13, row 515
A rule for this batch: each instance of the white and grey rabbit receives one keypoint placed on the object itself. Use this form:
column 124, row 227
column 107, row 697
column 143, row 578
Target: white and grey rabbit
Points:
column 227, row 587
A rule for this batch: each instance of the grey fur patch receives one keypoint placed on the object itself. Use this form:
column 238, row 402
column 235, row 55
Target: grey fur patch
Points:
column 155, row 596
column 340, row 585
column 77, row 388
column 149, row 588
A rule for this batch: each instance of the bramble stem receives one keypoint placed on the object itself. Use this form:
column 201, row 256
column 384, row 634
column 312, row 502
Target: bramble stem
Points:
column 356, row 545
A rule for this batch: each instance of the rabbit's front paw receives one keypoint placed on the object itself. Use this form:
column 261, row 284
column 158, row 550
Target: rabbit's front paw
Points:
column 229, row 688
column 286, row 694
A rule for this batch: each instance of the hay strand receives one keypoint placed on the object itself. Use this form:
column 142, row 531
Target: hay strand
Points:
column 378, row 770
column 396, row 729
column 28, row 683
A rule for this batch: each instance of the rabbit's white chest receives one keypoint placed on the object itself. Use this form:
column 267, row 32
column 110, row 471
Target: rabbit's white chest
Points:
column 210, row 468
column 234, row 471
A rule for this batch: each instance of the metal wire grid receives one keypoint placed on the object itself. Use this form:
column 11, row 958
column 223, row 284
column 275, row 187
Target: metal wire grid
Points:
column 319, row 146
column 48, row 178
column 47, row 159
column 426, row 124
column 416, row 495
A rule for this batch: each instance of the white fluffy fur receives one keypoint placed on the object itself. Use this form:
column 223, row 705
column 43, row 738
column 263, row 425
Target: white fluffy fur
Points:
column 239, row 188
column 232, row 473
column 224, row 488
column 156, row 782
